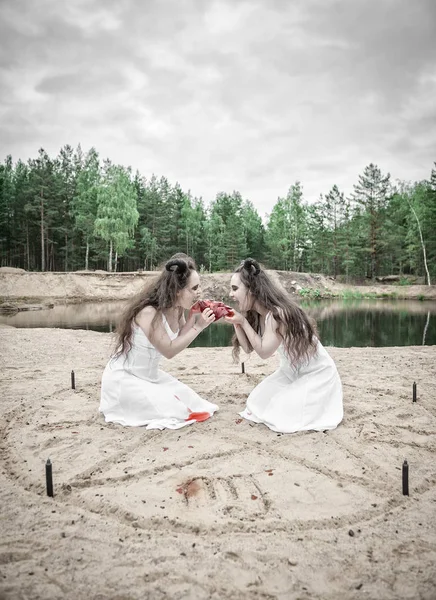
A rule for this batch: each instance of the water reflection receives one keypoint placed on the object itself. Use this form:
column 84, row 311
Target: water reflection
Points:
column 340, row 323
column 424, row 335
column 98, row 316
column 374, row 322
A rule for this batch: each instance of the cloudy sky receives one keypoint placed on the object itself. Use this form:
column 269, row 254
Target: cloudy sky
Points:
column 223, row 95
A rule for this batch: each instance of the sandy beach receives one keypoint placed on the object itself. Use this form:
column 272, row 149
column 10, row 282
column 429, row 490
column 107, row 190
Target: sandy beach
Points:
column 222, row 509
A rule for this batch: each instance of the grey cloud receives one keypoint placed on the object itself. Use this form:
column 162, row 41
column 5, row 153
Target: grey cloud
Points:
column 86, row 83
column 16, row 128
column 390, row 43
column 44, row 40
column 246, row 95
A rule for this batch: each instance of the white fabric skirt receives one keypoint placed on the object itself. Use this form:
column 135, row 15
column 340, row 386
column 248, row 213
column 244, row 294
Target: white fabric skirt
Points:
column 308, row 398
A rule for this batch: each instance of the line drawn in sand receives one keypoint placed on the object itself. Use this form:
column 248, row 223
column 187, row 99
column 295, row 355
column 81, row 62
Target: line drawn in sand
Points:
column 232, row 496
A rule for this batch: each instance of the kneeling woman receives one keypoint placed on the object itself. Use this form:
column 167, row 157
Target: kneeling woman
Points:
column 134, row 390
column 305, row 392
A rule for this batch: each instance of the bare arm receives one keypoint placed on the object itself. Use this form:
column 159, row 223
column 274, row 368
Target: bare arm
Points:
column 243, row 340
column 236, row 320
column 185, row 325
column 160, row 338
column 264, row 345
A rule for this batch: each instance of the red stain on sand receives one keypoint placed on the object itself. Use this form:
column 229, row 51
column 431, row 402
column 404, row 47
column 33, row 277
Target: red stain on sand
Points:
column 164, row 449
column 190, row 446
column 190, row 488
column 193, row 488
column 238, row 421
column 198, row 416
column 253, row 497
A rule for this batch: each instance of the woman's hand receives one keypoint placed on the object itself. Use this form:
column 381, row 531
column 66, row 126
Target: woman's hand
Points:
column 206, row 318
column 236, row 319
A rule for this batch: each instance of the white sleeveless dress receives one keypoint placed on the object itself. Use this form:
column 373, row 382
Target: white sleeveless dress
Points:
column 308, row 397
column 135, row 392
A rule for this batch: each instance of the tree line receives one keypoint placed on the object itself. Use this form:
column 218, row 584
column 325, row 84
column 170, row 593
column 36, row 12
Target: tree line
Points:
column 77, row 211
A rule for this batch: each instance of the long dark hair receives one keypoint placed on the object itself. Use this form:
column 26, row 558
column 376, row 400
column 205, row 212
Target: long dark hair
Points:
column 161, row 293
column 300, row 338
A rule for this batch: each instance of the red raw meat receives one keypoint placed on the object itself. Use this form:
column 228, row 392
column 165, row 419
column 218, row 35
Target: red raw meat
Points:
column 219, row 308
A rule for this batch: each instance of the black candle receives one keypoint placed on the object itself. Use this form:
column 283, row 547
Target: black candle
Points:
column 243, row 367
column 405, row 478
column 414, row 391
column 73, row 381
column 49, row 478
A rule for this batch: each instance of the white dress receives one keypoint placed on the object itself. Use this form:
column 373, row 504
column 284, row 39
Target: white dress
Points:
column 298, row 399
column 135, row 392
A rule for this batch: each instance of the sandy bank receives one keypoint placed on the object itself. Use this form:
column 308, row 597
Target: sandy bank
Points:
column 308, row 516
column 28, row 287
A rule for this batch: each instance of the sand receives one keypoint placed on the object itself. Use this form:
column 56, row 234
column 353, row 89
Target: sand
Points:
column 222, row 509
column 18, row 287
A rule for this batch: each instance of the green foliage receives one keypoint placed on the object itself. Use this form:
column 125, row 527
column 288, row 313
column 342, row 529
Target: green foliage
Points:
column 404, row 281
column 75, row 211
column 286, row 234
column 117, row 215
column 310, row 293
column 357, row 295
column 372, row 194
column 84, row 202
column 226, row 236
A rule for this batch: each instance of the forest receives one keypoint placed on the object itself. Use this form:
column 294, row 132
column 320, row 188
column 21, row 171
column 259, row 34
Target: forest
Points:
column 77, row 211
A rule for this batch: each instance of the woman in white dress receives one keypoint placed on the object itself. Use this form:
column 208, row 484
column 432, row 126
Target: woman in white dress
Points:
column 305, row 393
column 134, row 390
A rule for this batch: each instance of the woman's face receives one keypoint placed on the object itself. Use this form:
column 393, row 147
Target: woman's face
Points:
column 240, row 293
column 191, row 293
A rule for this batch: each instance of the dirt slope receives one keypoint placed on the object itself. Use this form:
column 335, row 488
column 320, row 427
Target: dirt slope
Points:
column 20, row 286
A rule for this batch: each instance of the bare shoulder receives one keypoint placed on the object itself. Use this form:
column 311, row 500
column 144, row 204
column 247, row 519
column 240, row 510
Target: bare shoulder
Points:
column 146, row 315
column 274, row 320
column 148, row 310
column 278, row 321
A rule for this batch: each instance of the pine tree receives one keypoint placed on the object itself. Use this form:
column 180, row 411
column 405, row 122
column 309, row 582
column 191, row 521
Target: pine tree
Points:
column 42, row 204
column 334, row 215
column 286, row 235
column 152, row 217
column 67, row 179
column 7, row 201
column 372, row 193
column 25, row 228
column 318, row 239
column 278, row 243
column 85, row 203
column 227, row 229
column 254, row 231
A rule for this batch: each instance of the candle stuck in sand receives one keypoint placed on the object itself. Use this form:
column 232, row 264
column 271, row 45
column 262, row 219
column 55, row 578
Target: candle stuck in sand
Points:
column 405, row 478
column 49, row 478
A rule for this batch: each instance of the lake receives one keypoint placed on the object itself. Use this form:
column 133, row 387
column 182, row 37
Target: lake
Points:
column 342, row 323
